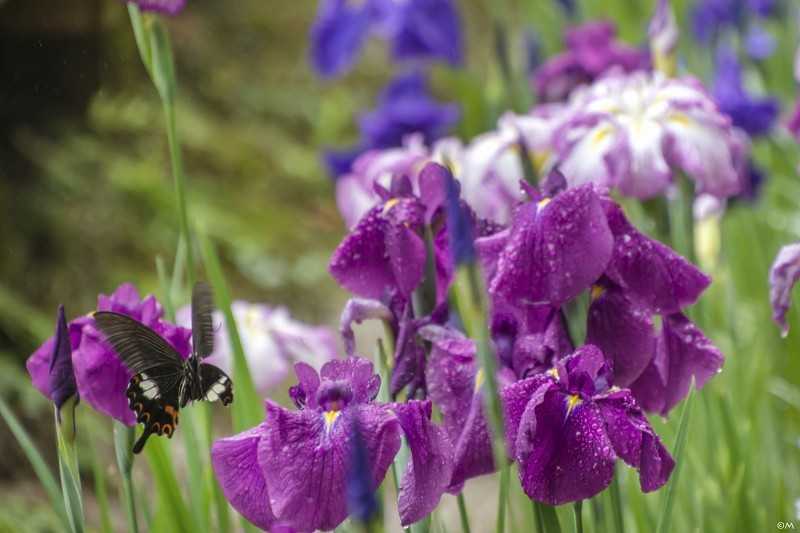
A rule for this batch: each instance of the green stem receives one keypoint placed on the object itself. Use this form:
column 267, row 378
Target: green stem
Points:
column 549, row 518
column 501, row 504
column 99, row 484
column 681, row 220
column 616, row 505
column 577, row 508
column 462, row 513
column 123, row 447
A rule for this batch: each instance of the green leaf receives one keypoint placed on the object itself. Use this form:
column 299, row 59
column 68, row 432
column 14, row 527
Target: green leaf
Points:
column 37, row 461
column 247, row 410
column 680, row 451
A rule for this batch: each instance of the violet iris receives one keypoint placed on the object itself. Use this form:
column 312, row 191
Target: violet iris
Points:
column 567, row 427
column 292, row 468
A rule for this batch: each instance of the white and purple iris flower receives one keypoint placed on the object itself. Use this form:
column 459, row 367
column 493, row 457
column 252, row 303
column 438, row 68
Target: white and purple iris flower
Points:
column 100, row 375
column 567, row 427
column 291, row 470
column 633, row 132
column 415, row 29
column 783, row 276
column 272, row 342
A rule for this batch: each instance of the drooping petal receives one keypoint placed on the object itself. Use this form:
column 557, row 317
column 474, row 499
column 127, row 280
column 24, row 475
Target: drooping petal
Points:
column 682, row 352
column 356, row 310
column 515, row 399
column 563, row 451
column 451, row 376
column 430, row 466
column 304, row 460
column 634, row 441
column 651, row 274
column 404, row 246
column 235, row 463
column 783, row 275
column 555, row 252
column 623, row 331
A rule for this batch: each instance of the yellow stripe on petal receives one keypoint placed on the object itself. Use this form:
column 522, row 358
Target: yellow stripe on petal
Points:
column 572, row 401
column 597, row 292
column 389, row 205
column 553, row 371
column 330, row 416
column 480, row 377
column 542, row 203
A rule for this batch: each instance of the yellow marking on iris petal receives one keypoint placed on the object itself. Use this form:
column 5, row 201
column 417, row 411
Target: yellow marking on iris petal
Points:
column 601, row 134
column 572, row 401
column 480, row 377
column 554, row 372
column 682, row 119
column 542, row 203
column 614, row 389
column 389, row 205
column 330, row 416
column 597, row 292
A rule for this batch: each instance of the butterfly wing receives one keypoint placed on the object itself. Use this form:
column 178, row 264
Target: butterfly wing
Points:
column 138, row 346
column 216, row 385
column 202, row 324
column 154, row 390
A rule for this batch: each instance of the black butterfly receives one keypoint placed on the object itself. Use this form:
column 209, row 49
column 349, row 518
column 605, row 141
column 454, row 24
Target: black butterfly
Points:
column 163, row 381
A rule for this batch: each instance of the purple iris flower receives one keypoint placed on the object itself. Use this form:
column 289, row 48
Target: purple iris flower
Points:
column 712, row 17
column 783, row 275
column 292, row 468
column 591, row 50
column 386, row 252
column 170, row 7
column 557, row 249
column 755, row 116
column 62, row 376
column 567, row 427
column 405, row 107
column 99, row 373
column 416, row 29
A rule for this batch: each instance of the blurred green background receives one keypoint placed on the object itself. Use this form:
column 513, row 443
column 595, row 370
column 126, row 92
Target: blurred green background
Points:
column 87, row 203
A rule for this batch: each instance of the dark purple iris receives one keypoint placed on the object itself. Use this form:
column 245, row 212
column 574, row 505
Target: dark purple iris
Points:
column 405, row 107
column 591, row 50
column 416, row 29
column 755, row 116
column 169, row 7
column 292, row 468
column 567, row 427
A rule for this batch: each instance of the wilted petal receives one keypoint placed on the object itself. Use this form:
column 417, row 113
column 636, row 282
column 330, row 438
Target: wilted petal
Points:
column 634, row 440
column 564, row 453
column 682, row 352
column 430, row 467
column 235, row 462
column 623, row 331
column 356, row 310
column 649, row 273
column 304, row 460
column 555, row 251
column 783, row 275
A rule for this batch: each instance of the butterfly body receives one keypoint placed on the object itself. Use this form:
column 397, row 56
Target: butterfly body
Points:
column 163, row 381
